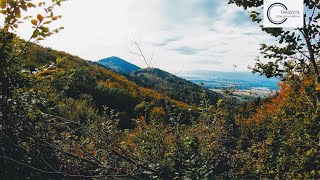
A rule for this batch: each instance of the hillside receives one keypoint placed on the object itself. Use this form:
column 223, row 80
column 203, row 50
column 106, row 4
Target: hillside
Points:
column 73, row 77
column 173, row 86
column 62, row 117
column 119, row 65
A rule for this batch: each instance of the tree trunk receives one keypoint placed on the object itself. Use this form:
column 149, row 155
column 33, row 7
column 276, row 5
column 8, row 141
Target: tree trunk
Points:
column 314, row 65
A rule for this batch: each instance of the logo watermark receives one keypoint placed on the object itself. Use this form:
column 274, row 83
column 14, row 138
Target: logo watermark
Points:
column 283, row 13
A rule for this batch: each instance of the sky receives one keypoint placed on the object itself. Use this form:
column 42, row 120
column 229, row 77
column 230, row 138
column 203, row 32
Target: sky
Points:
column 177, row 35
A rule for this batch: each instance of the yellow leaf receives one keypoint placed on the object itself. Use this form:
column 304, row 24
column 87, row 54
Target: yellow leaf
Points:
column 30, row 5
column 40, row 39
column 6, row 28
column 55, row 18
column 47, row 22
column 40, row 17
column 17, row 12
column 44, row 29
column 3, row 11
column 34, row 22
column 3, row 4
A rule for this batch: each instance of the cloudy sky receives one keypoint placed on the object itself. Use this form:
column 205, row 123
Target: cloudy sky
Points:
column 180, row 35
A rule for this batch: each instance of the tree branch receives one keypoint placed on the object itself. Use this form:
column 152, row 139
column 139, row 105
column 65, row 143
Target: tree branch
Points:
column 141, row 54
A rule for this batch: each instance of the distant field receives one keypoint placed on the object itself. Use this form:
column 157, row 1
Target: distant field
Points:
column 251, row 93
column 244, row 81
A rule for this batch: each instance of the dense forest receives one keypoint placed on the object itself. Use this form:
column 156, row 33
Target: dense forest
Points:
column 62, row 117
column 173, row 86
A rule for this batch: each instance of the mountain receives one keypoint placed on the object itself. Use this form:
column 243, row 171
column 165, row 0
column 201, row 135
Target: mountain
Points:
column 119, row 65
column 72, row 79
column 173, row 86
column 161, row 81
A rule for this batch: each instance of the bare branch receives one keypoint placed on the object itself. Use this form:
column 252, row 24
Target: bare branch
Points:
column 141, row 54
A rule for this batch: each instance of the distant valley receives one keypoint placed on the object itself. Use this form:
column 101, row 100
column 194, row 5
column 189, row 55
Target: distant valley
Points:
column 239, row 80
column 246, row 84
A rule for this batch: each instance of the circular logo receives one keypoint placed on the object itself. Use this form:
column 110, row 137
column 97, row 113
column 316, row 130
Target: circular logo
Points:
column 275, row 9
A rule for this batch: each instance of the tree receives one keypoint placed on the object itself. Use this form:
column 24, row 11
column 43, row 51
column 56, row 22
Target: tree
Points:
column 297, row 50
column 17, row 115
column 11, row 46
column 39, row 144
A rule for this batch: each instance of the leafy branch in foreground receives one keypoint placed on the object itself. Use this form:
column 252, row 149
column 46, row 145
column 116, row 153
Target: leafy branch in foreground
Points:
column 297, row 50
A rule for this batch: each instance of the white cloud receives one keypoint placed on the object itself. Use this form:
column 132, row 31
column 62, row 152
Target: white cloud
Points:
column 215, row 33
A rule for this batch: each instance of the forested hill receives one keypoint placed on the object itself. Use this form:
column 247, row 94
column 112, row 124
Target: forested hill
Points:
column 173, row 86
column 62, row 117
column 119, row 65
column 73, row 77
